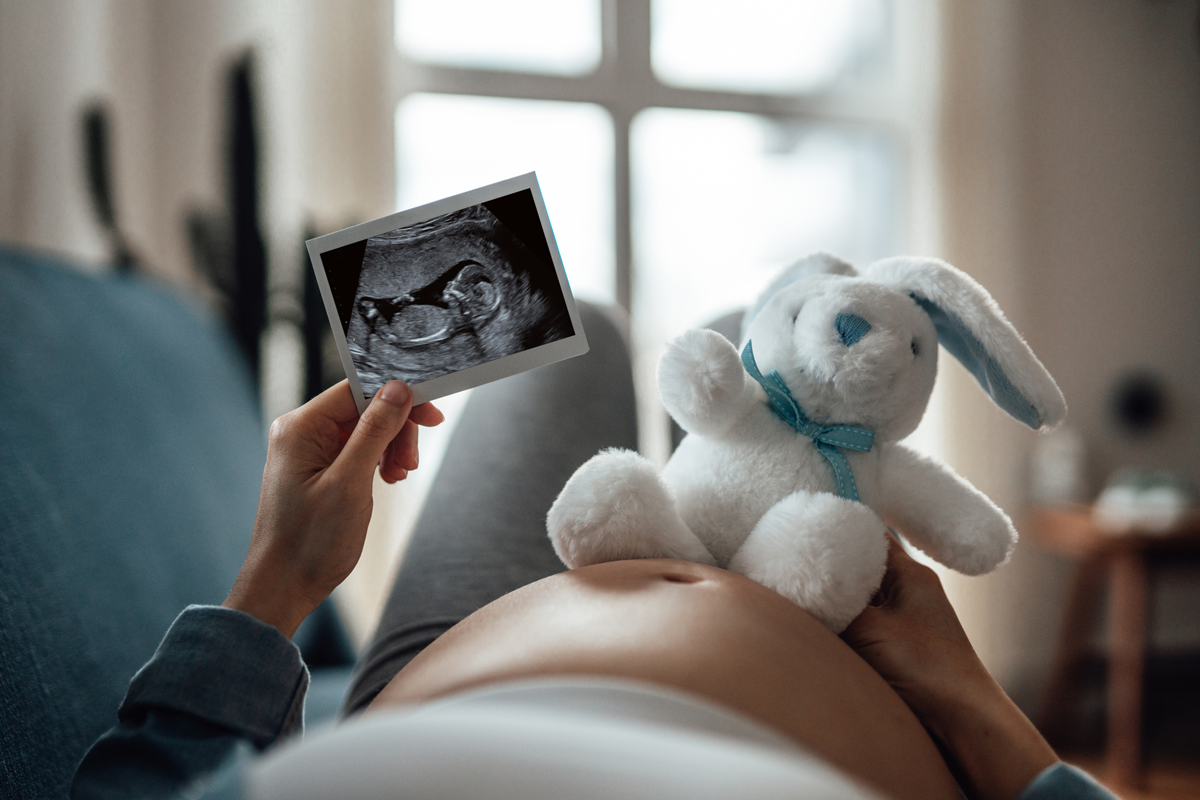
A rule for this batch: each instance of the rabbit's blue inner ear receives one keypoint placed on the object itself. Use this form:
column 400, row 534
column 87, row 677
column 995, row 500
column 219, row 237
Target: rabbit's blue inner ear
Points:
column 958, row 340
column 851, row 327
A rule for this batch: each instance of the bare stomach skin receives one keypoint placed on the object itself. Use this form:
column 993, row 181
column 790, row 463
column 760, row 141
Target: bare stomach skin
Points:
column 706, row 631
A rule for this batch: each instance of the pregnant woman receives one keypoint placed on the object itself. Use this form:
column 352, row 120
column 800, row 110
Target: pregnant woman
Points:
column 493, row 673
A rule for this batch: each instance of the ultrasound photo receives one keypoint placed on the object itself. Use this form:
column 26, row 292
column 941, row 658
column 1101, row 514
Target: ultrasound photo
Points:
column 455, row 291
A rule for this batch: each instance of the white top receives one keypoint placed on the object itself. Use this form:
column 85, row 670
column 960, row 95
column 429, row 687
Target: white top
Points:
column 551, row 738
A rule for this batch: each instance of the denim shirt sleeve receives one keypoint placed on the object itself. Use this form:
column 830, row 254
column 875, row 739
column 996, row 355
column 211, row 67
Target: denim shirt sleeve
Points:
column 1063, row 782
column 221, row 686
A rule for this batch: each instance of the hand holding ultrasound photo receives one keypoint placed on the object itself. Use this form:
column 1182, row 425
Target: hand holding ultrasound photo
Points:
column 449, row 295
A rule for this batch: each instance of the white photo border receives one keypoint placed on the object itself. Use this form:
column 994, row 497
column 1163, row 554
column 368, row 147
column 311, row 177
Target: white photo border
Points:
column 469, row 378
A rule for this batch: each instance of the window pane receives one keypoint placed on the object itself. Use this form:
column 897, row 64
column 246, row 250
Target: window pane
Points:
column 447, row 144
column 722, row 201
column 765, row 45
column 555, row 36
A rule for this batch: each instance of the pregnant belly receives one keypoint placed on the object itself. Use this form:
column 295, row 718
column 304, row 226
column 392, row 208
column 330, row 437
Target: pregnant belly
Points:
column 702, row 630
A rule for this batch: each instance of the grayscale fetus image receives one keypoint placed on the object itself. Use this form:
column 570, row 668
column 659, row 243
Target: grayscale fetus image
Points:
column 447, row 294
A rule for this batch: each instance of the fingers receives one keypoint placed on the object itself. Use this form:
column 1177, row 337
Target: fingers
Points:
column 873, row 627
column 401, row 455
column 895, row 563
column 904, row 576
column 405, row 446
column 376, row 428
column 427, row 414
column 336, row 403
column 334, row 406
column 389, row 466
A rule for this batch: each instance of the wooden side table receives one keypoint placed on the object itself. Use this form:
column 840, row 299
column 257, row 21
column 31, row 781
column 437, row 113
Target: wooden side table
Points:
column 1121, row 559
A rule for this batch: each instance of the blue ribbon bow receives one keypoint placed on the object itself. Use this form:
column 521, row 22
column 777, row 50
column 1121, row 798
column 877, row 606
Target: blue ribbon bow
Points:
column 827, row 439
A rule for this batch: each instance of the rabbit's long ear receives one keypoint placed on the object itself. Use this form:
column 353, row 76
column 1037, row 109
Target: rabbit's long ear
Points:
column 819, row 263
column 974, row 330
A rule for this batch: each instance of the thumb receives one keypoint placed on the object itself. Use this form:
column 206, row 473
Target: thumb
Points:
column 376, row 429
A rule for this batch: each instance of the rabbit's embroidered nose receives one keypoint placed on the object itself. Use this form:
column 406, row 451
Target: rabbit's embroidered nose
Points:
column 851, row 327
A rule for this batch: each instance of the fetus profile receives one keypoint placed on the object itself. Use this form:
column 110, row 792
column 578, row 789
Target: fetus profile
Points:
column 445, row 295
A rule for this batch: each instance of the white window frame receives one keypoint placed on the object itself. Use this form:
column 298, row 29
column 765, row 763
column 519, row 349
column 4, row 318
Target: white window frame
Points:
column 624, row 84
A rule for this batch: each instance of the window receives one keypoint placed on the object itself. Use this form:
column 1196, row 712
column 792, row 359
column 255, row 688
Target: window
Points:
column 687, row 149
column 552, row 36
column 785, row 46
column 449, row 143
column 722, row 200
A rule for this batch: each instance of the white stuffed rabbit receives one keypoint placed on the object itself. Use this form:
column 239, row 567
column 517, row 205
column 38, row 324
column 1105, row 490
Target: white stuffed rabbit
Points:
column 793, row 455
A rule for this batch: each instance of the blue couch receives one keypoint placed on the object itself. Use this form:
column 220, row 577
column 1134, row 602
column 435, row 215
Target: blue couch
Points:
column 131, row 453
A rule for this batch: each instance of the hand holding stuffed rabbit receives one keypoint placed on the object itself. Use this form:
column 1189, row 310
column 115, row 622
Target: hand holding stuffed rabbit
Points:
column 793, row 453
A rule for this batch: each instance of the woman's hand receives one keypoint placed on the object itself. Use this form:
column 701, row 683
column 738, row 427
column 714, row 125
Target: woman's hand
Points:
column 316, row 497
column 911, row 636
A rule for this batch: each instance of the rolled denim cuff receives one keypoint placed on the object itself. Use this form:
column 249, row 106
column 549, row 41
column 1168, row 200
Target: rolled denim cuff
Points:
column 227, row 668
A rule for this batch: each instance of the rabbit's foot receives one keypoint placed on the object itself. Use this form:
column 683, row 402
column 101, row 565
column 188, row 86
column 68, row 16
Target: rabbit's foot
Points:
column 823, row 552
column 616, row 506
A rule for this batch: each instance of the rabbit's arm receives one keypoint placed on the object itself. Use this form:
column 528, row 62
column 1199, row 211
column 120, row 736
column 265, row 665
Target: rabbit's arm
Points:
column 703, row 384
column 941, row 513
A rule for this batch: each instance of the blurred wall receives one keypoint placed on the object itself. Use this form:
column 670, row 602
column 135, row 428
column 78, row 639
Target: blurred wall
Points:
column 323, row 74
column 323, row 71
column 1071, row 166
column 52, row 57
column 1113, row 214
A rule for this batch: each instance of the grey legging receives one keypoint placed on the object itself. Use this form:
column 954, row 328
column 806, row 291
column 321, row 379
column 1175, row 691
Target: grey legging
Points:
column 482, row 533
